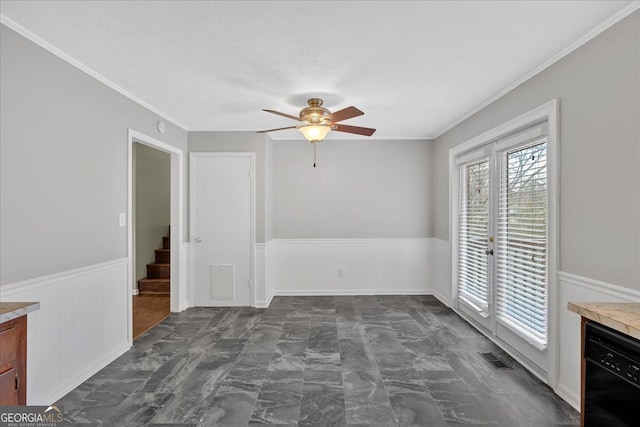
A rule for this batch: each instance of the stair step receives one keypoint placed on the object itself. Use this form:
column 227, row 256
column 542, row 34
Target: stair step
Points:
column 151, row 286
column 163, row 256
column 158, row 271
column 166, row 242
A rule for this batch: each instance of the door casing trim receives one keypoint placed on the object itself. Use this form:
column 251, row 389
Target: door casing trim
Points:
column 178, row 265
column 550, row 112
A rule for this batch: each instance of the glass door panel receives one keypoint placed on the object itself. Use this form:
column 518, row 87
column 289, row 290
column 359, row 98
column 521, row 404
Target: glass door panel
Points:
column 503, row 282
column 474, row 269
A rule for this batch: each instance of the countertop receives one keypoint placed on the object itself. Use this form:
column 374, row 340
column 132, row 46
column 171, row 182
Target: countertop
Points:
column 622, row 316
column 13, row 310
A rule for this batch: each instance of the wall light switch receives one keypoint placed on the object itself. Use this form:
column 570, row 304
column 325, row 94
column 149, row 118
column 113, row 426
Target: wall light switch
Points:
column 122, row 219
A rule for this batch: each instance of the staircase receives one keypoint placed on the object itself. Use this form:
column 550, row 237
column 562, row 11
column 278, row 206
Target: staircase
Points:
column 158, row 280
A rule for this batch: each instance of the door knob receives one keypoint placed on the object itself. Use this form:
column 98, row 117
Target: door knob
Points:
column 198, row 239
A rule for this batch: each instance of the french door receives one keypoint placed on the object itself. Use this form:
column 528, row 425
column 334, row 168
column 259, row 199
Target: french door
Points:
column 503, row 235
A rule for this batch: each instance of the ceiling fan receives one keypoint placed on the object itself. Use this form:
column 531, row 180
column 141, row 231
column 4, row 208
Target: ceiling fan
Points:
column 318, row 121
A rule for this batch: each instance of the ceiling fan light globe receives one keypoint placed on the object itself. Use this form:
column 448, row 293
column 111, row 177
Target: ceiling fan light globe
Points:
column 315, row 133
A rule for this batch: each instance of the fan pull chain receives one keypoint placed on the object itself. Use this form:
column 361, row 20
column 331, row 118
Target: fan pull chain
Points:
column 314, row 155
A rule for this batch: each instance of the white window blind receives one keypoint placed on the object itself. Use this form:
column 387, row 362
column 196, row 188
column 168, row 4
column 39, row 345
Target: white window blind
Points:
column 473, row 271
column 522, row 239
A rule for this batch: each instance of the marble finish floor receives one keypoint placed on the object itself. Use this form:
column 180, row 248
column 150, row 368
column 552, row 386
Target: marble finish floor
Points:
column 325, row 361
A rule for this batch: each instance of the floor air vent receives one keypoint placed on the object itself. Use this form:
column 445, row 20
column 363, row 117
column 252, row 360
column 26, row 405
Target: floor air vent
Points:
column 495, row 361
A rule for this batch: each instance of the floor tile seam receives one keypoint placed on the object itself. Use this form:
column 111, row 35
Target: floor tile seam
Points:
column 440, row 408
column 304, row 371
column 386, row 392
column 215, row 390
column 193, row 366
column 426, row 392
column 299, row 405
column 253, row 404
column 341, row 387
column 102, row 423
column 377, row 370
column 435, row 400
column 92, row 389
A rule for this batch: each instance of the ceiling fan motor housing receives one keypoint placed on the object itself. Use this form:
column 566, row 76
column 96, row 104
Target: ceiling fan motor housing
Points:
column 315, row 112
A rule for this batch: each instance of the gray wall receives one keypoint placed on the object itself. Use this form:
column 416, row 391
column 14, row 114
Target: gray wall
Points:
column 63, row 162
column 359, row 189
column 238, row 142
column 599, row 90
column 152, row 203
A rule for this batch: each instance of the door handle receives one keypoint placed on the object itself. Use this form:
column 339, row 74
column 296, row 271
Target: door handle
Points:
column 198, row 239
column 489, row 252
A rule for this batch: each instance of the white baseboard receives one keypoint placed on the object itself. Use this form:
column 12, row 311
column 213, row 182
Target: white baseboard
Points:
column 266, row 303
column 446, row 301
column 568, row 396
column 135, row 291
column 82, row 325
column 347, row 292
column 71, row 383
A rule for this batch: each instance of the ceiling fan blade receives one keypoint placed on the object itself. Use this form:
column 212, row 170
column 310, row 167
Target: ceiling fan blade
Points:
column 273, row 130
column 353, row 129
column 344, row 114
column 289, row 116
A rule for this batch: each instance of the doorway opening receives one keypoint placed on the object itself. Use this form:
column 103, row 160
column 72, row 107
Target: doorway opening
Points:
column 151, row 237
column 160, row 252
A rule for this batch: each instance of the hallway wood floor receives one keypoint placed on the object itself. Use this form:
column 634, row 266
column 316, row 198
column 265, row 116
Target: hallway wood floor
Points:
column 325, row 361
column 148, row 311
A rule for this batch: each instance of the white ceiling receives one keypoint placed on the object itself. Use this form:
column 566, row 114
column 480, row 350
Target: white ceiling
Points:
column 413, row 67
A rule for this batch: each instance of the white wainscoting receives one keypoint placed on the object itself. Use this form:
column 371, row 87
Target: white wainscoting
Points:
column 81, row 327
column 578, row 288
column 440, row 270
column 185, row 286
column 259, row 287
column 369, row 266
column 269, row 280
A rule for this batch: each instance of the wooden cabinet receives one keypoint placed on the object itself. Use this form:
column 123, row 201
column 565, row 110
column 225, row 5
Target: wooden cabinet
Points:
column 13, row 362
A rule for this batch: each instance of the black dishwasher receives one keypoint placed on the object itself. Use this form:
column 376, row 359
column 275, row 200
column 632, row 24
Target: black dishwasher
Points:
column 612, row 378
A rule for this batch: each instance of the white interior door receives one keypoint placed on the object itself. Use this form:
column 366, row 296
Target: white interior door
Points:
column 503, row 239
column 222, row 205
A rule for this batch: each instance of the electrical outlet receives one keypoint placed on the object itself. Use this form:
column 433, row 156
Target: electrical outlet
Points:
column 340, row 273
column 122, row 220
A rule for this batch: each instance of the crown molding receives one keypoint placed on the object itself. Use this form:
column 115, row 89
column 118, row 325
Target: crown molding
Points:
column 614, row 19
column 79, row 65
